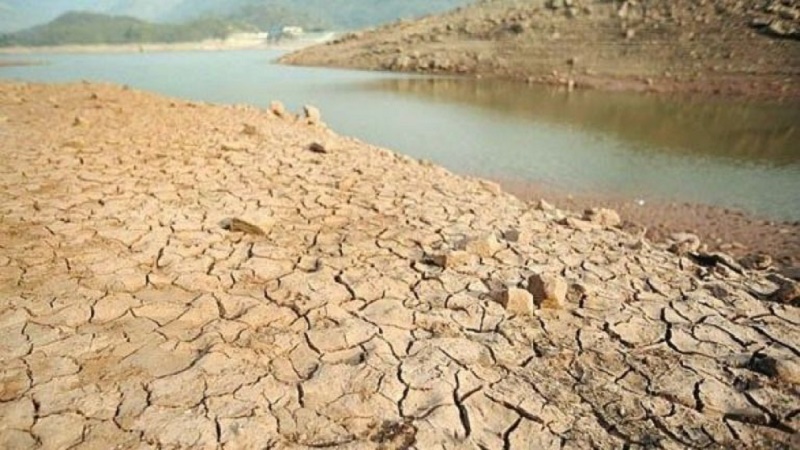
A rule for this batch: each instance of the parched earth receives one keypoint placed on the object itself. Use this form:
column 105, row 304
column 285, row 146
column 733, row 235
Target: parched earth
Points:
column 179, row 275
column 723, row 47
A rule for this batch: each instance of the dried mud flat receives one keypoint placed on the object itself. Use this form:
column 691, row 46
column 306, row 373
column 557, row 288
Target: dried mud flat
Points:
column 180, row 275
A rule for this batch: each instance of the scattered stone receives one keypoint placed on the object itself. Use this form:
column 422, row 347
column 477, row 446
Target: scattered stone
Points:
column 277, row 108
column 517, row 301
column 451, row 259
column 715, row 259
column 781, row 368
column 577, row 224
column 309, row 264
column 249, row 130
column 543, row 205
column 485, row 246
column 788, row 292
column 603, row 216
column 236, row 225
column 515, row 235
column 128, row 319
column 549, row 291
column 756, row 261
column 80, row 121
column 312, row 115
column 684, row 243
column 316, row 147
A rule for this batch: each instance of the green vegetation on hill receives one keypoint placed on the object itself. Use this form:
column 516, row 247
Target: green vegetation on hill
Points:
column 92, row 28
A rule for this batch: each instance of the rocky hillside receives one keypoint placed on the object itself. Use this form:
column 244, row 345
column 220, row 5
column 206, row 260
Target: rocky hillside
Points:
column 180, row 275
column 721, row 46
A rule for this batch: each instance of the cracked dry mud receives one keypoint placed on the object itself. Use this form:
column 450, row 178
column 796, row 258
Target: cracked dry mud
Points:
column 131, row 318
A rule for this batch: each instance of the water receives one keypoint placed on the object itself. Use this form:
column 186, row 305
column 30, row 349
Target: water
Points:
column 720, row 152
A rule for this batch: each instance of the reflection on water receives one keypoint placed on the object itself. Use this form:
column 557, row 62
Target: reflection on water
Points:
column 716, row 152
column 738, row 130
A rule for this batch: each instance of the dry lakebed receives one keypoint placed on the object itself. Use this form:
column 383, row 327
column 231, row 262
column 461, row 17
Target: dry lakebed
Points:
column 187, row 275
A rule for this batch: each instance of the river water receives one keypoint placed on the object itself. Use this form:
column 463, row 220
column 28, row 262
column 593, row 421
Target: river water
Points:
column 729, row 153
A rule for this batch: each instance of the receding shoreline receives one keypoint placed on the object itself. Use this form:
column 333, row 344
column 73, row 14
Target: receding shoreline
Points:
column 739, row 233
column 18, row 63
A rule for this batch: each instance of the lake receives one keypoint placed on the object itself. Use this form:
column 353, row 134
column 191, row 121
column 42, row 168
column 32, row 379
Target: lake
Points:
column 731, row 153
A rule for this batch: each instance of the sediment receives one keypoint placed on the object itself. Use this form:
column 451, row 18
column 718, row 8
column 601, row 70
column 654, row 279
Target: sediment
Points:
column 185, row 275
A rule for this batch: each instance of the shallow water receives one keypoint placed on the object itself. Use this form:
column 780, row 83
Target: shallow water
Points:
column 720, row 152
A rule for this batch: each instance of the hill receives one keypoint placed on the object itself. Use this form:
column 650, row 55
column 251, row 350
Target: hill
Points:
column 85, row 28
column 340, row 14
column 723, row 46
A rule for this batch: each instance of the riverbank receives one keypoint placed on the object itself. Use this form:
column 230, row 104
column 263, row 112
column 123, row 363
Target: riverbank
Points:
column 17, row 63
column 742, row 235
column 180, row 274
column 719, row 47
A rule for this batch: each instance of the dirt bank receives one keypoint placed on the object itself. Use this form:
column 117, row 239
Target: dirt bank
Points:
column 720, row 229
column 16, row 63
column 723, row 47
column 182, row 275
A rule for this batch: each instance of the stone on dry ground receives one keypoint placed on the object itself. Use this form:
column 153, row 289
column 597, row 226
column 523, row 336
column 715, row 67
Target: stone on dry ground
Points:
column 131, row 317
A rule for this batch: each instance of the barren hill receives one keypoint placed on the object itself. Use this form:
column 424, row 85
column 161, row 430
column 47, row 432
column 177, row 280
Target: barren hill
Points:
column 719, row 46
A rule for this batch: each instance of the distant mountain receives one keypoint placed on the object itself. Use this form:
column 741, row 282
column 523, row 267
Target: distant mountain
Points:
column 92, row 28
column 341, row 14
column 20, row 14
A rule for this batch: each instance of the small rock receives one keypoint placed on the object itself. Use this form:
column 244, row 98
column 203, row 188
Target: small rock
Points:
column 484, row 246
column 577, row 224
column 312, row 115
column 714, row 259
column 249, row 130
column 549, row 291
column 788, row 293
column 683, row 243
column 79, row 121
column 309, row 264
column 449, row 260
column 778, row 367
column 515, row 235
column 517, row 301
column 760, row 22
column 756, row 261
column 779, row 28
column 603, row 216
column 630, row 33
column 316, row 147
column 240, row 226
column 543, row 205
column 277, row 108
